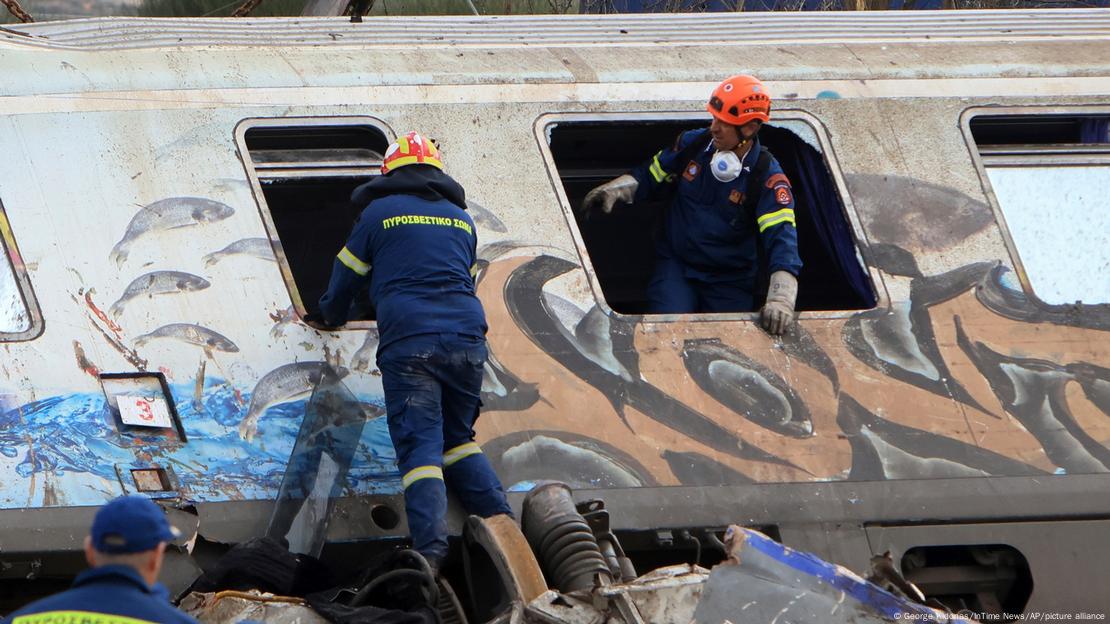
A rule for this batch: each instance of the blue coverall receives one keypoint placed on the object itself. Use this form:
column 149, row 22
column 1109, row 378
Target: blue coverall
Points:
column 707, row 256
column 111, row 594
column 421, row 245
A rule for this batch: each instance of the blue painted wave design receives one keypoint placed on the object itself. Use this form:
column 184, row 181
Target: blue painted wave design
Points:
column 73, row 439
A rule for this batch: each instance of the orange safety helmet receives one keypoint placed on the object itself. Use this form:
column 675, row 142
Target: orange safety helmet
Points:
column 740, row 99
column 411, row 149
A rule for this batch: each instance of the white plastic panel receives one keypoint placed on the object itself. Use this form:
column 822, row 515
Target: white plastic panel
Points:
column 1060, row 224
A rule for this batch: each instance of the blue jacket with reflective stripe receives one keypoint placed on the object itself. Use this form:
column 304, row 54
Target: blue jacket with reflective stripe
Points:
column 418, row 245
column 708, row 227
column 104, row 592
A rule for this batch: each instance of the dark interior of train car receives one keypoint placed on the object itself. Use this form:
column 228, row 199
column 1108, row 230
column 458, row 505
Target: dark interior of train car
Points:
column 307, row 174
column 621, row 244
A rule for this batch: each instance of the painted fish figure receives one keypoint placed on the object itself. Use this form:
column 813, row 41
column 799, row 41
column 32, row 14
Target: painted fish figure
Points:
column 254, row 247
column 746, row 387
column 285, row 383
column 158, row 283
column 192, row 334
column 168, row 214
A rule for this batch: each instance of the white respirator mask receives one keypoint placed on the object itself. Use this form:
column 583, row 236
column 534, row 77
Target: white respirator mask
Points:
column 725, row 166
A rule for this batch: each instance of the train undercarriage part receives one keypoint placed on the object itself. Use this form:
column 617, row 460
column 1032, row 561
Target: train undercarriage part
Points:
column 563, row 541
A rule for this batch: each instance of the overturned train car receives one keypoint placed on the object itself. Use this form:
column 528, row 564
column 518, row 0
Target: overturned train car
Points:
column 173, row 193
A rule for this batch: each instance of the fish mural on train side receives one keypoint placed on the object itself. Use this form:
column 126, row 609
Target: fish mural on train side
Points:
column 168, row 214
column 70, row 446
column 252, row 247
column 157, row 283
column 731, row 407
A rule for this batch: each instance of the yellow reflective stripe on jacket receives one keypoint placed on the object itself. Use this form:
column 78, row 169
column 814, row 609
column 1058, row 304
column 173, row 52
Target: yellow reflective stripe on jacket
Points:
column 461, row 451
column 422, row 472
column 656, row 169
column 76, row 617
column 352, row 262
column 774, row 218
column 474, row 270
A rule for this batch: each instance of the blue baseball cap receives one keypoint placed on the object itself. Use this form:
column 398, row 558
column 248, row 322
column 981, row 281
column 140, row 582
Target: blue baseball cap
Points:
column 131, row 524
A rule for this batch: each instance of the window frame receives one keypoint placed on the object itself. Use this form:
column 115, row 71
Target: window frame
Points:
column 546, row 122
column 10, row 251
column 251, row 168
column 1054, row 154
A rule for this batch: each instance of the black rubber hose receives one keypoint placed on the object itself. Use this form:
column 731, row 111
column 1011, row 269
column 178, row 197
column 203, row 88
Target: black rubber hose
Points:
column 424, row 578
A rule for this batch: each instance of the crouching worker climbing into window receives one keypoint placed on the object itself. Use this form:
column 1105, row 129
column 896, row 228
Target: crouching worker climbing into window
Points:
column 421, row 245
column 732, row 198
column 125, row 550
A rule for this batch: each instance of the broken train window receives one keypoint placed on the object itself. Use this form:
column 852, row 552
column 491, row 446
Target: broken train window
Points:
column 304, row 171
column 621, row 245
column 19, row 315
column 1050, row 174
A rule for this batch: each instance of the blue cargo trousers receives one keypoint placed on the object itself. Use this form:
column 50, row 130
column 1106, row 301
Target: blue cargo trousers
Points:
column 433, row 386
column 672, row 291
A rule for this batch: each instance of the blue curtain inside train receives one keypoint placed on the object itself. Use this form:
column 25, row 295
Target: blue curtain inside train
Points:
column 832, row 277
column 1095, row 130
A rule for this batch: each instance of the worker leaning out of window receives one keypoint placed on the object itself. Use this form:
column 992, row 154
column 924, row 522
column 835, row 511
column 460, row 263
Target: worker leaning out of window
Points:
column 732, row 198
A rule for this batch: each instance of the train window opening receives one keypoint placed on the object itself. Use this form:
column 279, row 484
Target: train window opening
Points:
column 19, row 318
column 621, row 244
column 306, row 174
column 989, row 579
column 1050, row 175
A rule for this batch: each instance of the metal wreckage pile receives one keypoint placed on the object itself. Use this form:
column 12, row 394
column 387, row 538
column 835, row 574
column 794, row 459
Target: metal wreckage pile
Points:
column 564, row 566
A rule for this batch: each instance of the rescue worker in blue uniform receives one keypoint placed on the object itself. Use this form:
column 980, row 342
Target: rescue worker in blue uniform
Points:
column 732, row 199
column 416, row 243
column 124, row 549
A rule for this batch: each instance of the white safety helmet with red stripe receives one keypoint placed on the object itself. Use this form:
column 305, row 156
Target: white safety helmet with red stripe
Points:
column 411, row 149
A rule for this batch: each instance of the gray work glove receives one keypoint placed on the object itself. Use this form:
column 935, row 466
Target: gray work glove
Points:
column 778, row 312
column 604, row 196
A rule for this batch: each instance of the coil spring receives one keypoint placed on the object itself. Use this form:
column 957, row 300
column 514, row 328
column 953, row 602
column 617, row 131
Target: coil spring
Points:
column 571, row 555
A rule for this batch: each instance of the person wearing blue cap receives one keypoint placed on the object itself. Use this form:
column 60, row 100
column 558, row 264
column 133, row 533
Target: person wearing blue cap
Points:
column 124, row 549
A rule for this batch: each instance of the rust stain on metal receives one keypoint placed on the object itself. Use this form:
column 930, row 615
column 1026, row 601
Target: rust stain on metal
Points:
column 129, row 354
column 735, row 538
column 83, row 362
column 100, row 313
